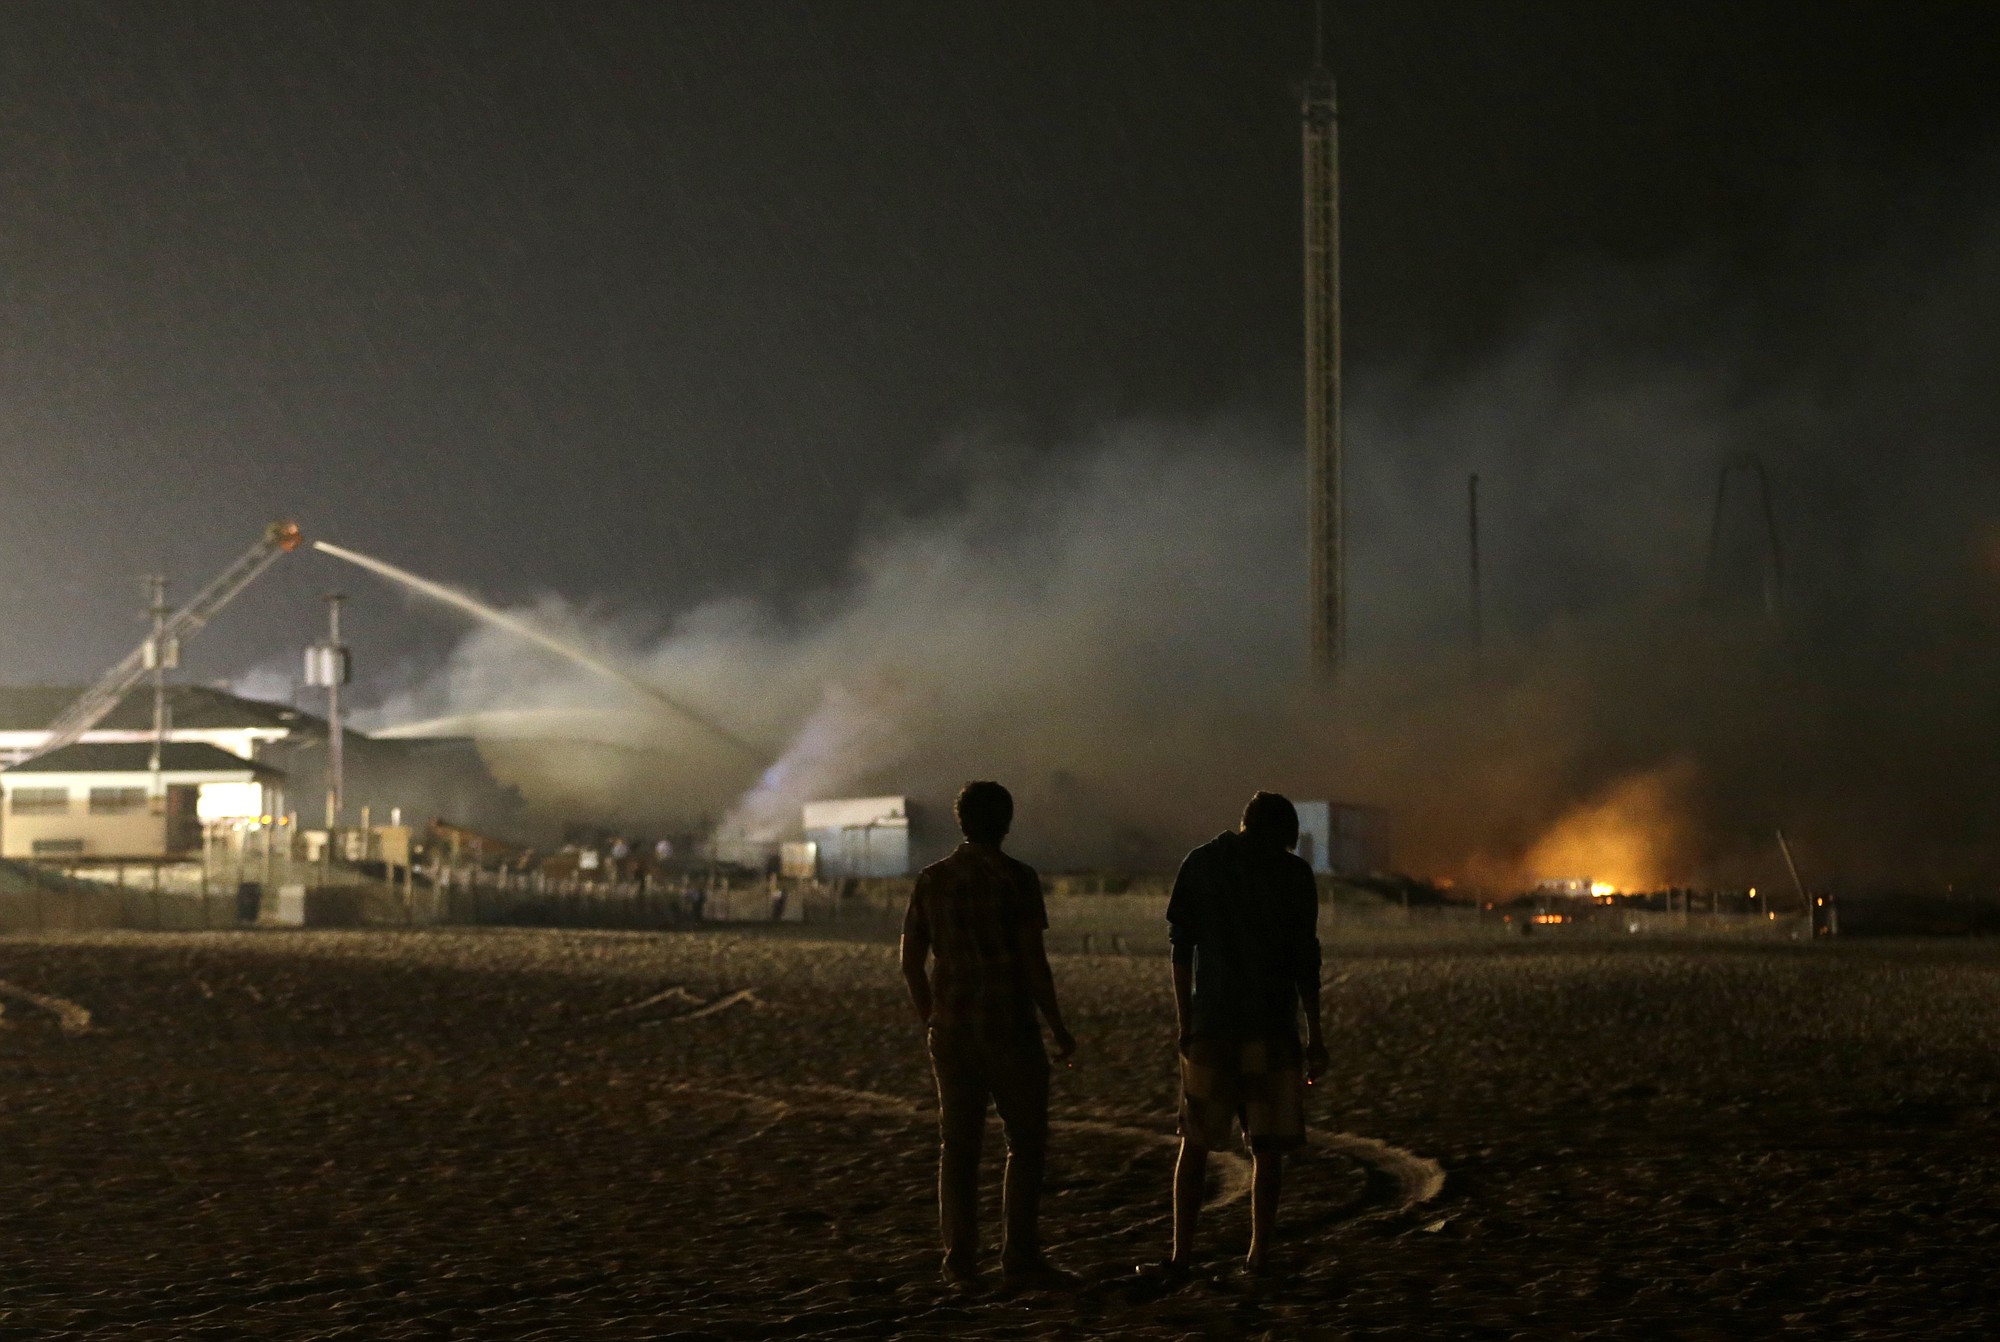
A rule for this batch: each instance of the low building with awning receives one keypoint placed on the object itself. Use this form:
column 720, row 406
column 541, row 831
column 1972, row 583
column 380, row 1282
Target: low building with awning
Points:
column 98, row 801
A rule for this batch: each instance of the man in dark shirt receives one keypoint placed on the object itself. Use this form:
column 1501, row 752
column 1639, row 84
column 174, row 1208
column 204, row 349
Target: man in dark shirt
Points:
column 979, row 915
column 1243, row 919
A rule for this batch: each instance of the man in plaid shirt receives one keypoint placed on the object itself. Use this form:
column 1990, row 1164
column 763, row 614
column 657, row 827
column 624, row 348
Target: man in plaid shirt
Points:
column 978, row 916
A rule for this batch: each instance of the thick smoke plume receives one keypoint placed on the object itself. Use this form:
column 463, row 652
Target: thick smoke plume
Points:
column 1115, row 628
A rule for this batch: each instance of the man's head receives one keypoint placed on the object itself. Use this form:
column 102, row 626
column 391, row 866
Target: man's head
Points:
column 985, row 811
column 1271, row 821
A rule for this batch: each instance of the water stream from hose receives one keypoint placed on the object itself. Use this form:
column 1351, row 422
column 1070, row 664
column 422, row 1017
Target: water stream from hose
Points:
column 458, row 600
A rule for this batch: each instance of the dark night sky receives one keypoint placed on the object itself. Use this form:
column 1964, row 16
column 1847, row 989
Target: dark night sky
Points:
column 648, row 303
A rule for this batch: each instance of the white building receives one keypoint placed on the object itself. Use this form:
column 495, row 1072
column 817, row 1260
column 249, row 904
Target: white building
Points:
column 860, row 836
column 98, row 801
column 1343, row 839
column 441, row 776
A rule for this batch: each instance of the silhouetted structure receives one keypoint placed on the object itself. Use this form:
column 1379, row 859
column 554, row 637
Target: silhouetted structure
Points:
column 1325, row 500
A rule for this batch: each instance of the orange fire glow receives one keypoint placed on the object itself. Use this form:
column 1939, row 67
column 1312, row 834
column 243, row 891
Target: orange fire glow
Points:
column 1627, row 839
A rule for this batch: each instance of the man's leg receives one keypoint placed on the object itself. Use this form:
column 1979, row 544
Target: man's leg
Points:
column 1211, row 1103
column 961, row 1131
column 1274, row 1119
column 1267, row 1179
column 1021, row 1094
column 1190, row 1182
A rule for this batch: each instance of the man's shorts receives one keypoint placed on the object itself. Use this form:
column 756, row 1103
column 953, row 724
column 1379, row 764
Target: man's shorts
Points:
column 1259, row 1084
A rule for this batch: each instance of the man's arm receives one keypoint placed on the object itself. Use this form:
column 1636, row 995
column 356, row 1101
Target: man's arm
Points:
column 1184, row 921
column 1308, row 985
column 1042, row 987
column 914, row 948
column 1316, row 1055
column 1183, row 994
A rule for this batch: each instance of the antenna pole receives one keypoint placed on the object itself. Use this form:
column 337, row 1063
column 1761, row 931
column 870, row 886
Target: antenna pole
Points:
column 1472, row 538
column 1773, row 567
column 1774, row 556
column 1326, row 503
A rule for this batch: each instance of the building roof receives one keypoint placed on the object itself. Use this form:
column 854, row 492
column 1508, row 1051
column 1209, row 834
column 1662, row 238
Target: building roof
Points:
column 133, row 757
column 856, row 812
column 31, row 708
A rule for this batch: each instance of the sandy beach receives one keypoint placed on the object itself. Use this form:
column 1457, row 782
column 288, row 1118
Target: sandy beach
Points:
column 728, row 1135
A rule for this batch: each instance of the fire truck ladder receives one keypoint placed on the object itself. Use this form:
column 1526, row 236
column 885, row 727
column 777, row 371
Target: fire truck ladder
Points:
column 89, row 708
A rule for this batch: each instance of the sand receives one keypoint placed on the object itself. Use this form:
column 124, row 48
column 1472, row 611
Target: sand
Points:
column 726, row 1135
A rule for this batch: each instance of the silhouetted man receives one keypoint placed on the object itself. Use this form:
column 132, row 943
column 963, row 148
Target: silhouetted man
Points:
column 1243, row 919
column 979, row 914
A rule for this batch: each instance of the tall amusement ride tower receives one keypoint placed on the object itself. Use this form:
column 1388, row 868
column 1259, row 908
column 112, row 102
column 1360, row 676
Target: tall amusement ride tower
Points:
column 1325, row 499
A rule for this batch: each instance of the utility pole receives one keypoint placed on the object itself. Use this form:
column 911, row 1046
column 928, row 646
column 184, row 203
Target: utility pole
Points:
column 1326, row 501
column 1472, row 529
column 161, row 654
column 328, row 665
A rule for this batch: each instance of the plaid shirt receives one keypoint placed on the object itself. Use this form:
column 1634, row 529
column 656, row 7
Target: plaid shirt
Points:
column 971, row 910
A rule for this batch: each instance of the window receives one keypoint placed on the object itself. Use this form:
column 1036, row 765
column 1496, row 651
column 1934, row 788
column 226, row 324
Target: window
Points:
column 39, row 801
column 117, row 800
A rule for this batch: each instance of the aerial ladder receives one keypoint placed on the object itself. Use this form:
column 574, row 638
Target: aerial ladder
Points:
column 163, row 647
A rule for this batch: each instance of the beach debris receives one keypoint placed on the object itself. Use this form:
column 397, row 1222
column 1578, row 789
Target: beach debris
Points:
column 742, row 997
column 676, row 993
column 703, row 1007
column 72, row 1019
